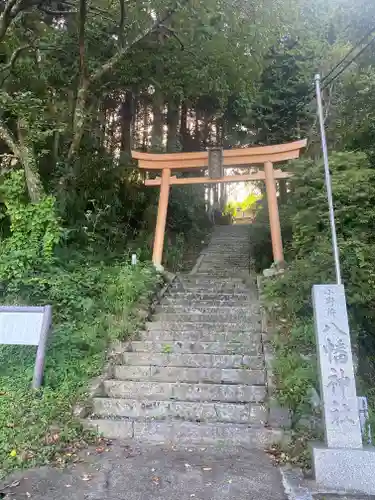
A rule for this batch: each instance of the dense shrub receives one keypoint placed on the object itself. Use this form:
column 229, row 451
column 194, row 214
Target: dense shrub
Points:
column 310, row 261
column 97, row 297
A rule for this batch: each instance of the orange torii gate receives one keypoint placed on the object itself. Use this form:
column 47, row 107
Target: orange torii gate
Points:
column 219, row 160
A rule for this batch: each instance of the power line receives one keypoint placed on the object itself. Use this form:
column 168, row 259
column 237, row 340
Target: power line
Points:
column 349, row 63
column 311, row 92
column 341, row 70
column 348, row 54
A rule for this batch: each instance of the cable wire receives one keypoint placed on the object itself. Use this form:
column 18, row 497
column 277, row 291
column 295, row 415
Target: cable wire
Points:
column 326, row 84
column 348, row 54
column 349, row 63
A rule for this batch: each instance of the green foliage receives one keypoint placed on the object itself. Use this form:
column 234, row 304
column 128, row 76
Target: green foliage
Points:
column 230, row 76
column 310, row 261
column 294, row 377
column 284, row 82
column 35, row 230
column 249, row 203
column 260, row 241
column 93, row 303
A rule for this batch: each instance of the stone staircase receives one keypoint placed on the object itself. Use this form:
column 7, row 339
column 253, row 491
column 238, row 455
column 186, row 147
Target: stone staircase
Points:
column 197, row 375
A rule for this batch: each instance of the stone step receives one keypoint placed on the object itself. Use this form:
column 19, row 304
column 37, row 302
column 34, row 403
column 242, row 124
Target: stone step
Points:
column 220, row 253
column 183, row 391
column 203, row 335
column 215, row 258
column 216, row 317
column 215, row 270
column 188, row 433
column 223, row 254
column 217, row 309
column 210, row 281
column 184, row 410
column 194, row 302
column 228, row 268
column 192, row 360
column 189, row 375
column 223, row 275
column 229, row 248
column 223, row 289
column 210, row 296
column 239, row 237
column 205, row 327
column 208, row 264
column 212, row 285
column 214, row 282
column 191, row 347
column 218, row 271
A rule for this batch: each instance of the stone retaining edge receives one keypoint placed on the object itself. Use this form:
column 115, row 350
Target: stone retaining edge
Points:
column 277, row 416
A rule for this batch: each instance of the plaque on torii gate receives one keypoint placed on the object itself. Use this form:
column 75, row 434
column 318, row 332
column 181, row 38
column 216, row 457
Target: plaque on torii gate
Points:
column 215, row 163
column 215, row 160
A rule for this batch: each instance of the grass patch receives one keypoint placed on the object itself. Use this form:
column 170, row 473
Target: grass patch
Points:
column 93, row 304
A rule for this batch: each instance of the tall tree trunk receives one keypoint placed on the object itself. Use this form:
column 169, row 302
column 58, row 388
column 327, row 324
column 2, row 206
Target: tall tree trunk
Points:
column 219, row 132
column 126, row 117
column 205, row 131
column 173, row 143
column 184, row 132
column 112, row 135
column 24, row 152
column 157, row 134
column 145, row 127
column 282, row 191
column 27, row 156
column 135, row 122
column 102, row 124
column 197, row 133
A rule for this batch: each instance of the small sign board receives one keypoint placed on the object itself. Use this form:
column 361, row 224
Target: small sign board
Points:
column 215, row 163
column 21, row 325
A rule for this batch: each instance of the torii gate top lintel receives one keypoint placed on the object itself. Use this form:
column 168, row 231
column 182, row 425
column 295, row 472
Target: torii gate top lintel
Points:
column 266, row 155
column 240, row 156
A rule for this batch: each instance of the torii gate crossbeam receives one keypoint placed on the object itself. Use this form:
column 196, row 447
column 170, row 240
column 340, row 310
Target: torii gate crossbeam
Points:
column 264, row 155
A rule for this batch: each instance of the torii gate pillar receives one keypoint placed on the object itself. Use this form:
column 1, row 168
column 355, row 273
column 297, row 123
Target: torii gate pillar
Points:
column 273, row 211
column 162, row 217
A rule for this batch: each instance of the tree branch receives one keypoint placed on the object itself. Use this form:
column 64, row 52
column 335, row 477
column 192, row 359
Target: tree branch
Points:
column 51, row 12
column 6, row 17
column 15, row 56
column 27, row 158
column 172, row 33
column 11, row 10
column 122, row 23
column 81, row 41
column 94, row 8
column 113, row 61
column 9, row 139
column 80, row 108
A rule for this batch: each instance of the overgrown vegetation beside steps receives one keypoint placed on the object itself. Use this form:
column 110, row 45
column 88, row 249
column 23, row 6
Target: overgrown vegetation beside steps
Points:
column 287, row 296
column 97, row 298
column 93, row 304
